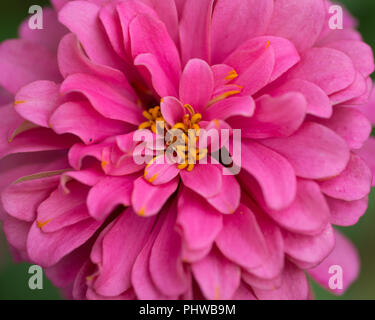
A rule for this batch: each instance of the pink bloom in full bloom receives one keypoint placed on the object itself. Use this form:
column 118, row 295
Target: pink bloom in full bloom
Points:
column 77, row 93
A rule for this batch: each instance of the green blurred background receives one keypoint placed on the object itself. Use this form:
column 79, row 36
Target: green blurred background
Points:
column 14, row 277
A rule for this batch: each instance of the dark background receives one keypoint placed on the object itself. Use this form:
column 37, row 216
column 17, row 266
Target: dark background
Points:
column 14, row 277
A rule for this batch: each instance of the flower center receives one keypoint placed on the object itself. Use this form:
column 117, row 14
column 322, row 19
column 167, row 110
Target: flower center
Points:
column 181, row 140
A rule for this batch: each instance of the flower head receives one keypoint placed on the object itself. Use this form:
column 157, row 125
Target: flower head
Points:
column 113, row 216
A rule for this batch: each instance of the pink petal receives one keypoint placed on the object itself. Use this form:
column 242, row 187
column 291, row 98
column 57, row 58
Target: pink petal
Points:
column 127, row 11
column 167, row 13
column 308, row 251
column 172, row 110
column 46, row 249
column 107, row 194
column 79, row 152
column 295, row 28
column 235, row 21
column 336, row 70
column 235, row 106
column 260, row 283
column 272, row 267
column 367, row 153
column 199, row 222
column 111, row 22
column 82, row 18
column 353, row 183
column 104, row 98
column 205, row 179
column 344, row 256
column 241, row 239
column 147, row 199
column 195, row 30
column 72, row 59
column 228, row 199
column 89, row 177
column 121, row 246
column 356, row 90
column 274, row 174
column 170, row 278
column 197, row 84
column 217, row 277
column 141, row 277
column 309, row 212
column 273, row 117
column 294, row 286
column 190, row 255
column 51, row 33
column 82, row 120
column 149, row 36
column 22, row 62
column 360, row 53
column 13, row 140
column 314, row 151
column 351, row 125
column 318, row 103
column 254, row 62
column 284, row 54
column 160, row 173
column 37, row 101
column 62, row 209
column 16, row 232
column 243, row 293
column 65, row 271
column 347, row 213
column 21, row 199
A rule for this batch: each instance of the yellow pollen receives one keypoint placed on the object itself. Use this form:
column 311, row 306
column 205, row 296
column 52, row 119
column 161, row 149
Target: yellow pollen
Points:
column 232, row 75
column 268, row 44
column 190, row 109
column 19, row 102
column 142, row 212
column 42, row 224
column 223, row 96
column 153, row 115
column 104, row 164
column 153, row 178
column 217, row 292
column 217, row 124
column 185, row 135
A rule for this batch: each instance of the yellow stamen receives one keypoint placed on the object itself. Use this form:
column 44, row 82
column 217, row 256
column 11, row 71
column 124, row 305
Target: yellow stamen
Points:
column 153, row 178
column 147, row 115
column 180, row 126
column 155, row 112
column 25, row 126
column 19, row 102
column 217, row 124
column 144, row 125
column 190, row 109
column 268, row 44
column 196, row 118
column 223, row 96
column 232, row 75
column 104, row 164
column 142, row 212
column 42, row 224
column 217, row 293
column 182, row 166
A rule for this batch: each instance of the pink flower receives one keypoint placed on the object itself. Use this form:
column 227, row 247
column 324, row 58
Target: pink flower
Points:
column 106, row 227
